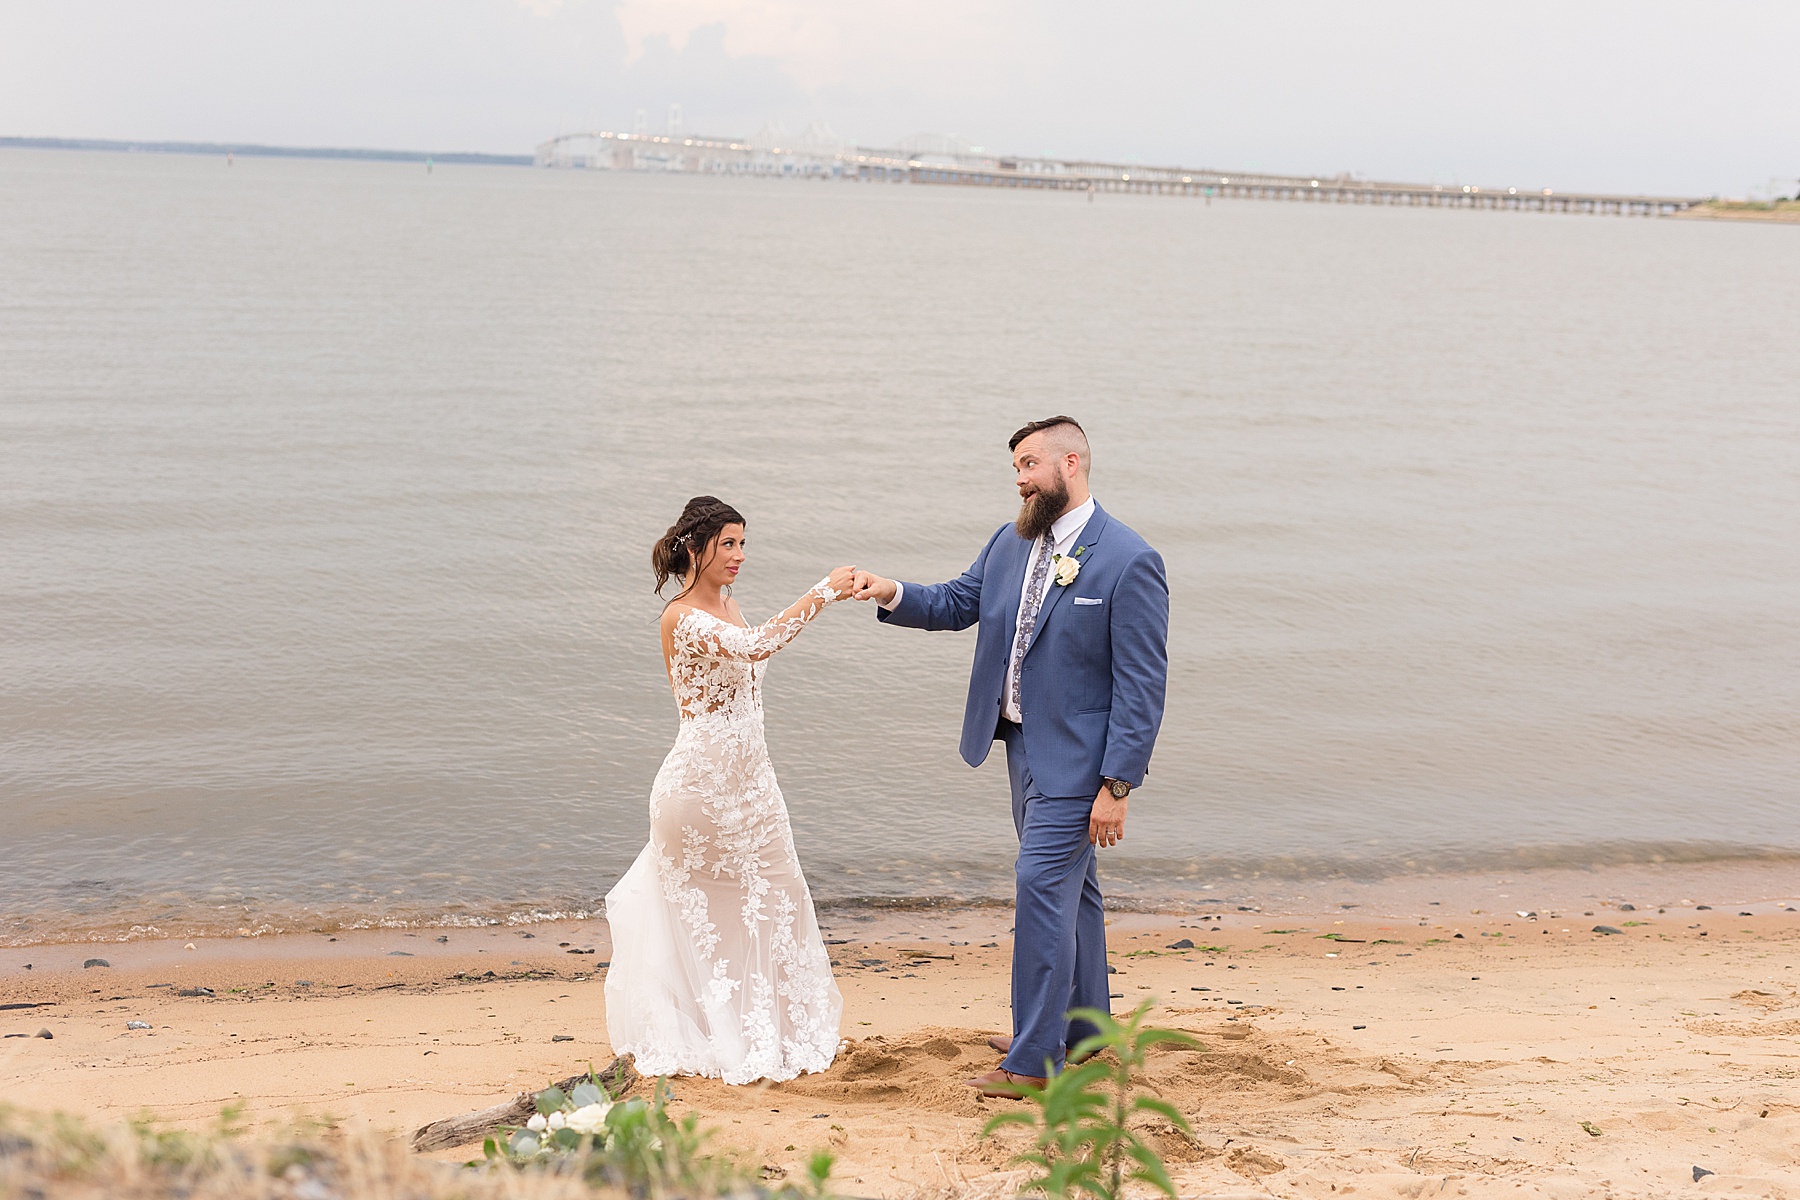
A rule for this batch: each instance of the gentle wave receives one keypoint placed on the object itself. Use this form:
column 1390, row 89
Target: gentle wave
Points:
column 1164, row 888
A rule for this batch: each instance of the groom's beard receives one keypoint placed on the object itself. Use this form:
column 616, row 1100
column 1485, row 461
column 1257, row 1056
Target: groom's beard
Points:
column 1040, row 510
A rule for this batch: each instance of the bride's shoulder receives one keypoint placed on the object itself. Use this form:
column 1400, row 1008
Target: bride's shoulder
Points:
column 676, row 617
column 675, row 614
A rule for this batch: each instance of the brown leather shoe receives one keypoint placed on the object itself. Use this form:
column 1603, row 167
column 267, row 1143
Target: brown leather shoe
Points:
column 1004, row 1084
column 1003, row 1044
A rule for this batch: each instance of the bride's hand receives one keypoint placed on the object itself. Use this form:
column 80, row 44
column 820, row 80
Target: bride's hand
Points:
column 843, row 582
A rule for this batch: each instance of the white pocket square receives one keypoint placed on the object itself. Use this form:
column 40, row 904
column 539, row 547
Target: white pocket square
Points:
column 1088, row 600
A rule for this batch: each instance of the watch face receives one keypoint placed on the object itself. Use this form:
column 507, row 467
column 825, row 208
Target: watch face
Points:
column 1120, row 789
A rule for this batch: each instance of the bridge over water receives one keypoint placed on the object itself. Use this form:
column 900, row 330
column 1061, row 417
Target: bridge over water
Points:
column 948, row 164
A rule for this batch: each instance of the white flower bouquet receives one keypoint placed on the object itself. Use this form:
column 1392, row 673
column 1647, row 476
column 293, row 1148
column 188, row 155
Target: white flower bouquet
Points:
column 564, row 1122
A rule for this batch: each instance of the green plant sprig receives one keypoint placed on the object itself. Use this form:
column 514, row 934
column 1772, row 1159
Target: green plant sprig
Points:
column 1083, row 1142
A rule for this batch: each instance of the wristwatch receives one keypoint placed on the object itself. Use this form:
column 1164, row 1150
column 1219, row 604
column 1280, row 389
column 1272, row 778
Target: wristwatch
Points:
column 1118, row 787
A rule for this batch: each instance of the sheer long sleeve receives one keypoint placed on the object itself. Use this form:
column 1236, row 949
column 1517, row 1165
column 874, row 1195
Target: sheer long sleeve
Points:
column 705, row 635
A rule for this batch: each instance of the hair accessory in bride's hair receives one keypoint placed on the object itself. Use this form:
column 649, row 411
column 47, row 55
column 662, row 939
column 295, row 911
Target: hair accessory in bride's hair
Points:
column 701, row 520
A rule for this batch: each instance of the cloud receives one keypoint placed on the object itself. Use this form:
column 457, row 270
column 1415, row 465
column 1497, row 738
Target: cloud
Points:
column 821, row 43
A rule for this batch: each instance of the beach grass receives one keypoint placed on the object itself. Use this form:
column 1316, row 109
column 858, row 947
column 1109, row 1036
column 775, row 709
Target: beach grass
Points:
column 67, row 1156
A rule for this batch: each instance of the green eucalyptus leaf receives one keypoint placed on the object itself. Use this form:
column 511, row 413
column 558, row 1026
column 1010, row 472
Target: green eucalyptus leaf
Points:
column 550, row 1100
column 586, row 1094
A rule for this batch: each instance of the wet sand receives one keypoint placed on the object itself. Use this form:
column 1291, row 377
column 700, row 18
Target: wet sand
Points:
column 1397, row 1047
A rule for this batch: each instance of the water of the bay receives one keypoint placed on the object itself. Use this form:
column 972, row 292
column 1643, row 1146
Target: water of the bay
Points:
column 326, row 492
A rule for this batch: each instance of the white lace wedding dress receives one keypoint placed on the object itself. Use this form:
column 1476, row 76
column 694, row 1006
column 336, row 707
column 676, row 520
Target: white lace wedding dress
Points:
column 718, row 968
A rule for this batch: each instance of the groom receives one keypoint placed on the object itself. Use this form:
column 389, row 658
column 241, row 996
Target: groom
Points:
column 1071, row 659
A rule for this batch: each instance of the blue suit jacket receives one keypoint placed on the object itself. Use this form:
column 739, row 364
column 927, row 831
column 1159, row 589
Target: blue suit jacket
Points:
column 1092, row 685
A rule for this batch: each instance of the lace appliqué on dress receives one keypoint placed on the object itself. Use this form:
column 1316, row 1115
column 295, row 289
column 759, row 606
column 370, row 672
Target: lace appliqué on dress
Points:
column 753, row 998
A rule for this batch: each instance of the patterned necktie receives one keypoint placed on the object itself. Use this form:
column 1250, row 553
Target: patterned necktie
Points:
column 1034, row 598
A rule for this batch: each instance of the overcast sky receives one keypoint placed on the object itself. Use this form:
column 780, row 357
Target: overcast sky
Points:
column 1631, row 95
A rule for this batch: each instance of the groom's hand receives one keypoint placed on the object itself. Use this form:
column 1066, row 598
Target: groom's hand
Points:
column 869, row 586
column 1106, row 821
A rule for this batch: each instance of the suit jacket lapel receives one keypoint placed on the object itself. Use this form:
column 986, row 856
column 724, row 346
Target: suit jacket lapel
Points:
column 1085, row 541
column 1015, row 587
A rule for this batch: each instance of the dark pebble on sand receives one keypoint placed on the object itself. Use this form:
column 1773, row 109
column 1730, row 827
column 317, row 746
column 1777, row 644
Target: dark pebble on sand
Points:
column 400, row 954
column 1627, row 908
column 195, row 991
column 443, row 939
column 96, row 962
column 1359, row 1027
column 1746, row 914
column 1458, row 935
column 1703, row 907
column 1115, row 995
column 45, row 1034
column 1700, row 1173
column 990, row 945
column 562, row 1037
column 1183, row 944
column 1607, row 929
column 303, row 982
column 1111, row 970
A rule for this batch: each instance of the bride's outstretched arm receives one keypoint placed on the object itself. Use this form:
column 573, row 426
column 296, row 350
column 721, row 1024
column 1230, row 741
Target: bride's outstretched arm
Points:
column 713, row 638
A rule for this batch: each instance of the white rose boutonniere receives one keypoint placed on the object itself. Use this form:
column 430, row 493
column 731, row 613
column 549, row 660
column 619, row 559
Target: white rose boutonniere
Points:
column 1067, row 568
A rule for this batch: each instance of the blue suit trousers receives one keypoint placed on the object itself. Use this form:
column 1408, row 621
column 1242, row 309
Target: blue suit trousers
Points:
column 1059, row 936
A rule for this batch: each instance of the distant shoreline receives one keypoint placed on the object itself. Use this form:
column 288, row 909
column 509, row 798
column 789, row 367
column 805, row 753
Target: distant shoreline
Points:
column 1780, row 211
column 255, row 150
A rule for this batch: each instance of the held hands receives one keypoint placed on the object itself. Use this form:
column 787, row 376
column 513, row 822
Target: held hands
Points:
column 869, row 586
column 1106, row 821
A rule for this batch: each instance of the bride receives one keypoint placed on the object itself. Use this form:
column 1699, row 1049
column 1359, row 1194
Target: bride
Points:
column 717, row 964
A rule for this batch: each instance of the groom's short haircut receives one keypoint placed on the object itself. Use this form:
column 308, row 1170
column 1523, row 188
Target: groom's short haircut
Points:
column 1063, row 434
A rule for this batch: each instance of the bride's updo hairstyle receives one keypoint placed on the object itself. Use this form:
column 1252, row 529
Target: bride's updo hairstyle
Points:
column 676, row 552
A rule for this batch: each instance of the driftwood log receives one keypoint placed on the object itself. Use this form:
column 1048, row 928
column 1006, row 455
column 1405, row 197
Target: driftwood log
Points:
column 619, row 1077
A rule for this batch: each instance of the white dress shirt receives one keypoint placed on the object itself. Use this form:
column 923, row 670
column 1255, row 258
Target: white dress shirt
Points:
column 1062, row 536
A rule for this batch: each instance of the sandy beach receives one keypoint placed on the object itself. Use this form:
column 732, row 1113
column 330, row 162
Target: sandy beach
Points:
column 1412, row 1048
